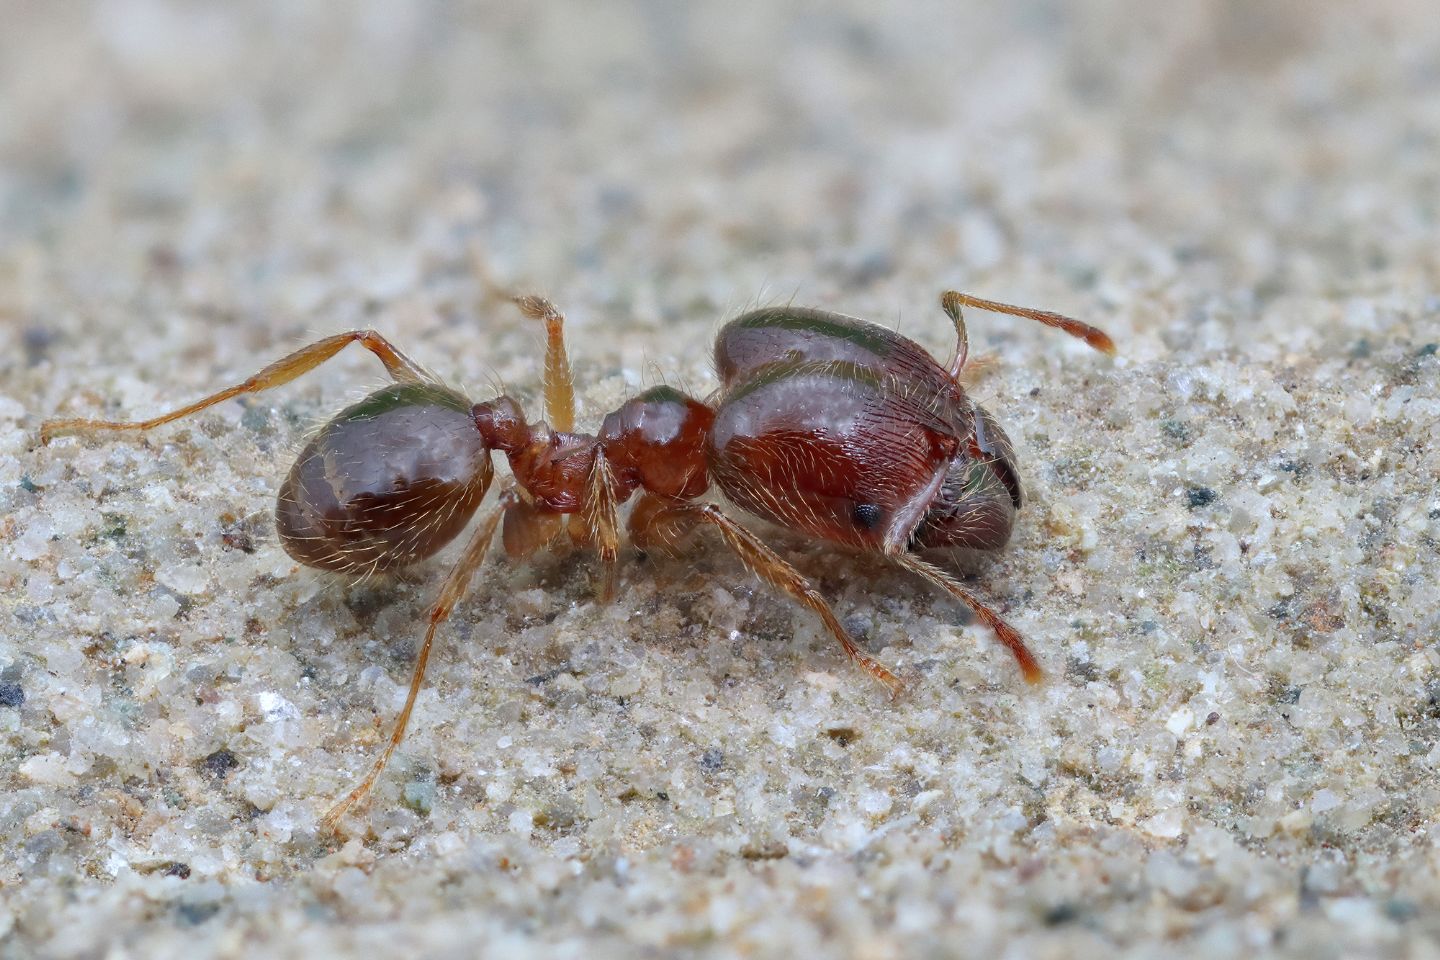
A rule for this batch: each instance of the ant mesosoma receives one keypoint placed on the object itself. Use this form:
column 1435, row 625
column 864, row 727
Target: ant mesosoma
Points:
column 823, row 424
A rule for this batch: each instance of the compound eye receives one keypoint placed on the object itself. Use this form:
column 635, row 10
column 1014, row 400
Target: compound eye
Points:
column 866, row 515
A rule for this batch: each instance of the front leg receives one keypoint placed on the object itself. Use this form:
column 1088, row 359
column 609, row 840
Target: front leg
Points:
column 663, row 523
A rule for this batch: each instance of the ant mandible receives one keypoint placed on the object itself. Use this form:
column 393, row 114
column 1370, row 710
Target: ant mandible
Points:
column 823, row 424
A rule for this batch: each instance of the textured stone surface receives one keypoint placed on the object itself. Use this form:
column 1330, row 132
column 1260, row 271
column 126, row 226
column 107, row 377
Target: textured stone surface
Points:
column 1228, row 563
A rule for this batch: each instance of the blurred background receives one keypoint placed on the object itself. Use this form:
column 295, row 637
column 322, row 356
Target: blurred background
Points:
column 658, row 161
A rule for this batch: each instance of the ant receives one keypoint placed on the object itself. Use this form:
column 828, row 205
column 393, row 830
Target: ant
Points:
column 823, row 424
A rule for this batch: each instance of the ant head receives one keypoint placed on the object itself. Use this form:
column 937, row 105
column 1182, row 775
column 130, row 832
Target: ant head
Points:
column 972, row 509
column 976, row 505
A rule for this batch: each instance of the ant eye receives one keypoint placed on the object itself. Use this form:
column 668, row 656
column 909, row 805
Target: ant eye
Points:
column 866, row 515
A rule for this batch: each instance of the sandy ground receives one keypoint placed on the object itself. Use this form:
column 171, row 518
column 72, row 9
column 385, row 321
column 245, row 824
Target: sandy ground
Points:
column 1228, row 563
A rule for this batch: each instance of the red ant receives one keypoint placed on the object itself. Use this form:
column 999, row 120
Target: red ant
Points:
column 823, row 424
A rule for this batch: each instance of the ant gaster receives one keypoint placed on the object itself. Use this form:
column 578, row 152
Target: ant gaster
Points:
column 823, row 424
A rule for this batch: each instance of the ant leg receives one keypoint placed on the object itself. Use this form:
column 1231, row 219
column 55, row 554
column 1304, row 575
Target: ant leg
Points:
column 672, row 520
column 1008, row 635
column 400, row 367
column 1094, row 336
column 492, row 291
column 654, row 525
column 601, row 530
column 950, row 302
column 450, row 593
column 559, row 382
column 527, row 528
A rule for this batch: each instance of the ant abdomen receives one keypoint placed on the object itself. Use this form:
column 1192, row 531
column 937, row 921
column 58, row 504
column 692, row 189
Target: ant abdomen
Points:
column 387, row 482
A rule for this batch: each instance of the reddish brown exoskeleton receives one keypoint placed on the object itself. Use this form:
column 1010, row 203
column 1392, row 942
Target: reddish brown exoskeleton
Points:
column 823, row 424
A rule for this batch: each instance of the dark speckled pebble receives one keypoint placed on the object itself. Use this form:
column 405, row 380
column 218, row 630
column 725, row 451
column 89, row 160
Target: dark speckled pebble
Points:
column 1200, row 496
column 11, row 695
column 194, row 914
column 220, row 763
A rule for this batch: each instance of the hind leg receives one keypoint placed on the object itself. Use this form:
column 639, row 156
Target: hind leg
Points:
column 400, row 367
column 559, row 381
column 450, row 593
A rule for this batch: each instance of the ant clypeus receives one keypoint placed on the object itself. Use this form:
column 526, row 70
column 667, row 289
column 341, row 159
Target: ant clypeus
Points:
column 823, row 424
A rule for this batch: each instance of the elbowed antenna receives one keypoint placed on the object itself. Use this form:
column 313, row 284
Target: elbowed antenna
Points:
column 952, row 300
